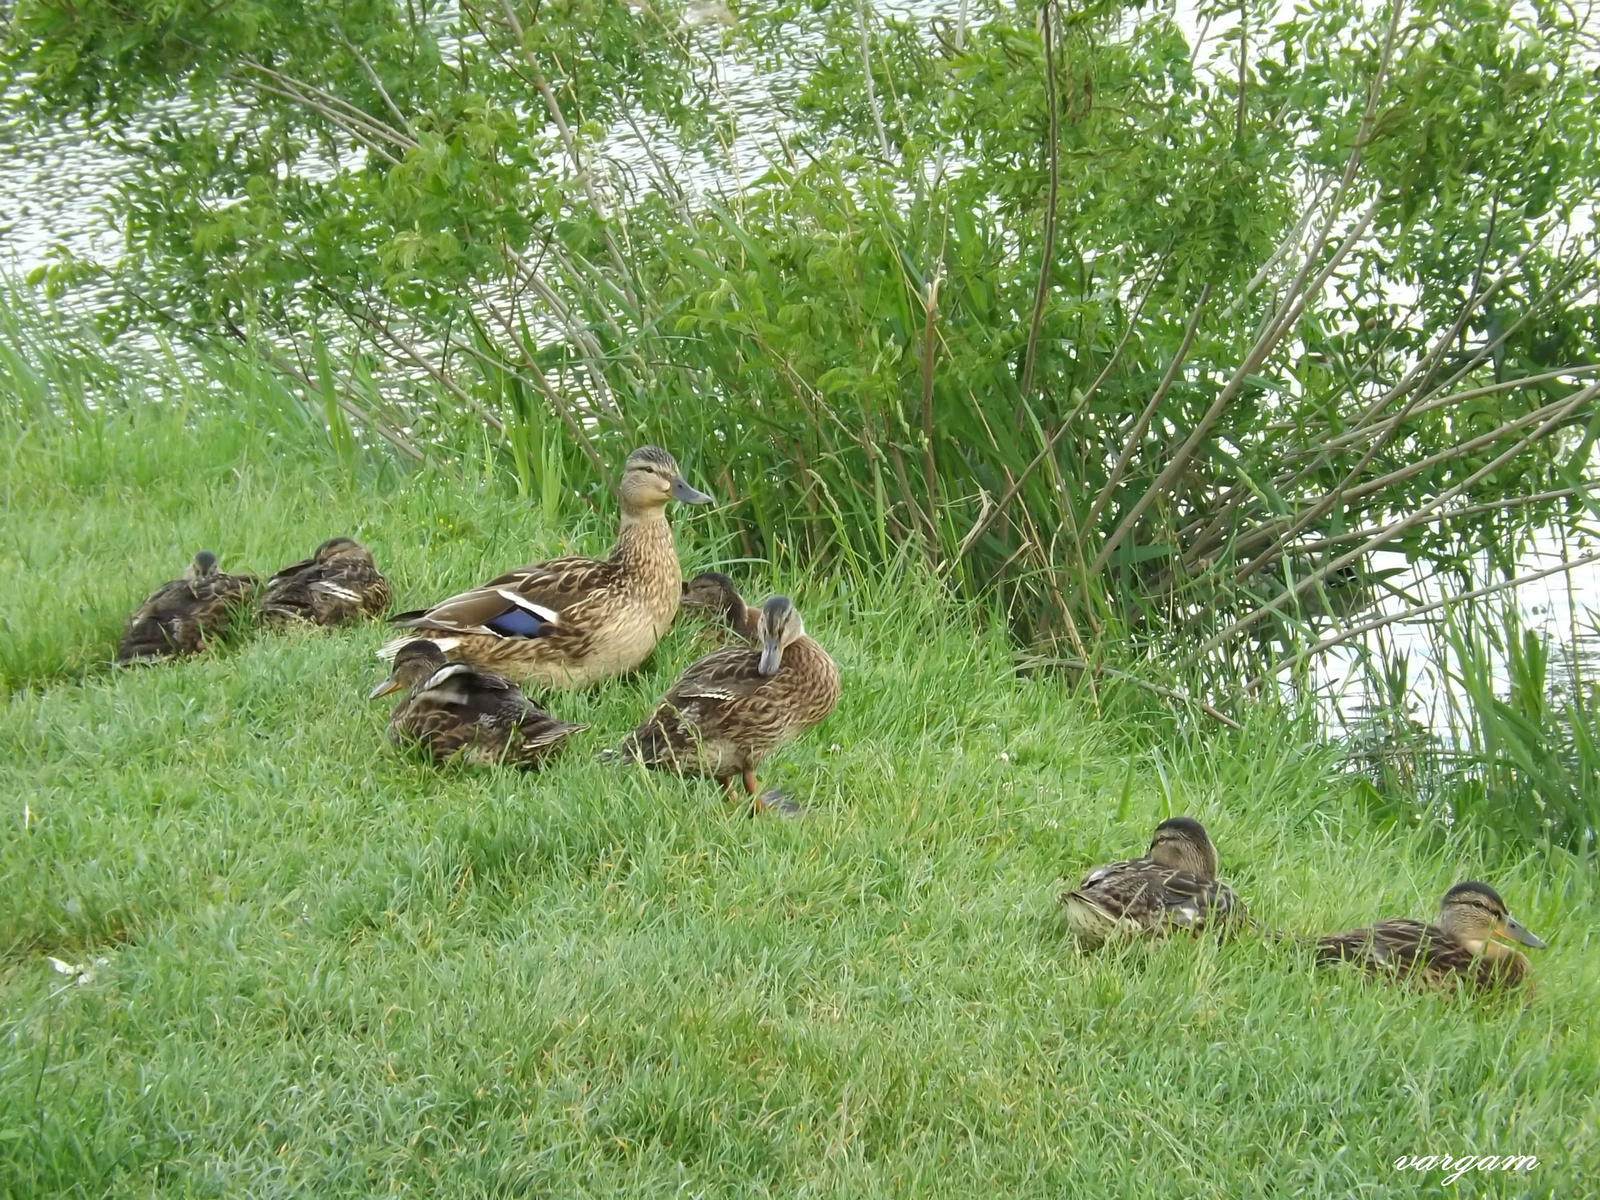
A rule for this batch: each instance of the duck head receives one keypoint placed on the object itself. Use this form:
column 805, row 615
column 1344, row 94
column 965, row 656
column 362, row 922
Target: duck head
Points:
column 1474, row 915
column 1182, row 844
column 778, row 628
column 651, row 477
column 414, row 662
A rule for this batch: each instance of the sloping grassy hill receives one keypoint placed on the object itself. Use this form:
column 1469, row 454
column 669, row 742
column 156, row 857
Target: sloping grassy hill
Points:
column 315, row 967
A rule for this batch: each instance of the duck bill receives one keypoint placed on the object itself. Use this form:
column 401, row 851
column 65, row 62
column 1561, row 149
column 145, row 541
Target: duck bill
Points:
column 771, row 656
column 684, row 494
column 384, row 688
column 1510, row 928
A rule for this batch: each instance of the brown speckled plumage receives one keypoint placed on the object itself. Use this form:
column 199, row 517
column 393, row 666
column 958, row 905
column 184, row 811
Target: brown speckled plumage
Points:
column 1461, row 947
column 340, row 582
column 1173, row 888
column 455, row 711
column 712, row 596
column 571, row 622
column 178, row 617
column 724, row 715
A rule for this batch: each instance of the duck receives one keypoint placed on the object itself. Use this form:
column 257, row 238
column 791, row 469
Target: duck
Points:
column 1173, row 888
column 1459, row 947
column 339, row 583
column 715, row 597
column 573, row 622
column 181, row 615
column 734, row 707
column 453, row 710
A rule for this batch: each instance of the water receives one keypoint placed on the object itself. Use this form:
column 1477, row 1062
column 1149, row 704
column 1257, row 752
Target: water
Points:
column 54, row 193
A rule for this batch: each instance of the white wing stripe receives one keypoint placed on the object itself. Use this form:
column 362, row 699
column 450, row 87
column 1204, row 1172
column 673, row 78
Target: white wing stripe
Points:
column 549, row 616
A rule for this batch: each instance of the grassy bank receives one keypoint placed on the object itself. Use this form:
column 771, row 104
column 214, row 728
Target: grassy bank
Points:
column 329, row 970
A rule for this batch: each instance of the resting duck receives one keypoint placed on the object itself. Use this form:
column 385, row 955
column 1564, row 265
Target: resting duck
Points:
column 712, row 595
column 338, row 583
column 454, row 710
column 735, row 706
column 571, row 622
column 1460, row 947
column 178, row 617
column 1174, row 887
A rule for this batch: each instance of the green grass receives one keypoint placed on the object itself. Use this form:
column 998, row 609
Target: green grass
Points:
column 333, row 971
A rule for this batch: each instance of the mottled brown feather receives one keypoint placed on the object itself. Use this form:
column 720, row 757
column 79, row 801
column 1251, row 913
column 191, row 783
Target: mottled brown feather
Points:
column 1422, row 953
column 338, row 584
column 180, row 616
column 572, row 622
column 1140, row 897
column 723, row 717
column 477, row 718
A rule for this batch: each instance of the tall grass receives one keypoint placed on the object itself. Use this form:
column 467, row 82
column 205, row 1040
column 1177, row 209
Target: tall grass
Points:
column 328, row 969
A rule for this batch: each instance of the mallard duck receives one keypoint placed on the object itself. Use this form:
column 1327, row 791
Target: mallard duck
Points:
column 711, row 595
column 1173, row 887
column 178, row 617
column 454, row 710
column 571, row 622
column 735, row 706
column 338, row 583
column 1460, row 947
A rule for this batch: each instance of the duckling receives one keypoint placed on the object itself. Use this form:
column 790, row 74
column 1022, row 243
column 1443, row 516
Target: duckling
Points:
column 734, row 707
column 712, row 595
column 572, row 622
column 1173, row 887
column 454, row 710
column 178, row 617
column 340, row 582
column 1460, row 947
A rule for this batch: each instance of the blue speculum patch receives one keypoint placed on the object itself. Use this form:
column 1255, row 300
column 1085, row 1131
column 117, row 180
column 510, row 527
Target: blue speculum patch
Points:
column 517, row 622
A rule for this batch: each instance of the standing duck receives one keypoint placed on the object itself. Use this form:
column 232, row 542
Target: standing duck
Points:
column 712, row 596
column 178, row 617
column 1173, row 887
column 340, row 582
column 735, row 706
column 454, row 710
column 571, row 622
column 1461, row 946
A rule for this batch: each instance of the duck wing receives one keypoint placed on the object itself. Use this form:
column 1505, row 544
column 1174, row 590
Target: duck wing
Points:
column 175, row 618
column 289, row 591
column 727, row 674
column 1150, row 896
column 1405, row 947
column 697, row 709
column 525, row 603
column 460, row 706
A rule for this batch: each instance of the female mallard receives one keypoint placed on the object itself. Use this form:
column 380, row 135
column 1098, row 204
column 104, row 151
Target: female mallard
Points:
column 570, row 622
column 713, row 596
column 457, row 711
column 1173, row 887
column 179, row 616
column 338, row 583
column 1460, row 947
column 735, row 706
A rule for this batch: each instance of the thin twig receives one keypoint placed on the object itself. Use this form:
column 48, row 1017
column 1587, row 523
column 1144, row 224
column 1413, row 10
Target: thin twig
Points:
column 872, row 91
column 1136, row 434
column 1015, row 485
column 1315, row 578
column 1048, row 253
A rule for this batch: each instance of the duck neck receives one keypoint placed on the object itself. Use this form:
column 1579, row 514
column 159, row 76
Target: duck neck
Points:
column 645, row 538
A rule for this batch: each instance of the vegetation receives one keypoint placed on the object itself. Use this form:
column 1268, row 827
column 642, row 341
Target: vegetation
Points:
column 298, row 963
column 1148, row 344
